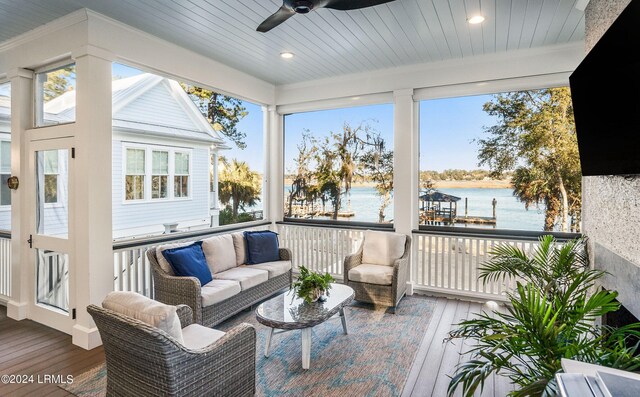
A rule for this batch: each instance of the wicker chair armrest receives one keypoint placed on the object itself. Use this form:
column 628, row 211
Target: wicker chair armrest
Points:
column 401, row 267
column 227, row 365
column 285, row 254
column 185, row 314
column 351, row 261
column 173, row 290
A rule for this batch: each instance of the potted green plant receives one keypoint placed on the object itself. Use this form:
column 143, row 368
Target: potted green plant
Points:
column 311, row 286
column 551, row 315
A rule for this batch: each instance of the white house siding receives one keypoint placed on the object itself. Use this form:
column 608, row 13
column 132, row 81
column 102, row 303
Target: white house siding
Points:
column 139, row 218
column 5, row 210
column 156, row 98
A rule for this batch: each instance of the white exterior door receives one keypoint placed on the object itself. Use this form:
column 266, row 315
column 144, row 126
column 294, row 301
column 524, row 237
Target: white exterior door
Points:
column 51, row 253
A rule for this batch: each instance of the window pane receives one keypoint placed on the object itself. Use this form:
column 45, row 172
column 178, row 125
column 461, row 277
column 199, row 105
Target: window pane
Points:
column 182, row 164
column 484, row 161
column 5, row 156
column 134, row 187
column 160, row 162
column 5, row 192
column 135, row 161
column 56, row 96
column 51, row 162
column 339, row 164
column 50, row 189
column 52, row 220
column 181, row 186
column 159, row 186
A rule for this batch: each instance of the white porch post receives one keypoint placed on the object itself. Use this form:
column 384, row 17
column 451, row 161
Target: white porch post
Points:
column 405, row 163
column 21, row 120
column 94, row 252
column 214, row 206
column 274, row 165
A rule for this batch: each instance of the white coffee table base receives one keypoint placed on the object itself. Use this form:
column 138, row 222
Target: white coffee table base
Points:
column 306, row 339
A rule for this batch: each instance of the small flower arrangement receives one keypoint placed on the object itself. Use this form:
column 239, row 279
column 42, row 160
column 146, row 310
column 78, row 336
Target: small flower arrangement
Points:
column 311, row 286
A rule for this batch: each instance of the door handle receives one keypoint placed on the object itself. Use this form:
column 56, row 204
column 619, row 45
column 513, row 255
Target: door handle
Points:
column 30, row 241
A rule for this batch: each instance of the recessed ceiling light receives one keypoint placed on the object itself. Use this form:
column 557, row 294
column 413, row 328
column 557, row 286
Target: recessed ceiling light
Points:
column 286, row 55
column 476, row 19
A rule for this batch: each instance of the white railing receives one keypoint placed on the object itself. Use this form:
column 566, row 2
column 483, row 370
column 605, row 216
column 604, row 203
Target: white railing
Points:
column 131, row 269
column 450, row 264
column 443, row 263
column 321, row 249
column 5, row 266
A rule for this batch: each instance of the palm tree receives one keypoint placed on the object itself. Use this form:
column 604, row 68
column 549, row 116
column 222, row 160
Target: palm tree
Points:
column 238, row 185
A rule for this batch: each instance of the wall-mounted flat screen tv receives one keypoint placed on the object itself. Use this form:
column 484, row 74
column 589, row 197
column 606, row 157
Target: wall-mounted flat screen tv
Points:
column 605, row 89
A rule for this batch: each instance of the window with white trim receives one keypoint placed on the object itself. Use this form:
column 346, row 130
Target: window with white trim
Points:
column 154, row 173
column 159, row 174
column 51, row 179
column 135, row 173
column 55, row 96
column 181, row 175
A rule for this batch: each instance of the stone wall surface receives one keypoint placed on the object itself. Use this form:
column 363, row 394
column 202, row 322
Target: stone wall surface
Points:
column 611, row 204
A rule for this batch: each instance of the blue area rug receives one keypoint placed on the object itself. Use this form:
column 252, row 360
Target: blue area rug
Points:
column 373, row 360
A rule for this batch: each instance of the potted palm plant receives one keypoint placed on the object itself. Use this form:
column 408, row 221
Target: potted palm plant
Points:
column 312, row 286
column 551, row 316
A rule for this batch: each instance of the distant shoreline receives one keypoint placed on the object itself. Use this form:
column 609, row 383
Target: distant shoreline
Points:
column 483, row 184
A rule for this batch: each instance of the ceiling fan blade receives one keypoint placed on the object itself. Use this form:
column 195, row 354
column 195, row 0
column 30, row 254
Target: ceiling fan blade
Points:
column 345, row 5
column 276, row 19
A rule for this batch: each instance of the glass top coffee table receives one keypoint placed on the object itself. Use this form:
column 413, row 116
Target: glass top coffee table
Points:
column 287, row 312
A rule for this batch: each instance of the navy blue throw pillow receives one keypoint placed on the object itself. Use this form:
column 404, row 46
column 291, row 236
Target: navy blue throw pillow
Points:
column 262, row 247
column 189, row 261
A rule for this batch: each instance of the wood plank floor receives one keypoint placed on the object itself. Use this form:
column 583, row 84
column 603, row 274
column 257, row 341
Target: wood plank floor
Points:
column 30, row 348
column 436, row 359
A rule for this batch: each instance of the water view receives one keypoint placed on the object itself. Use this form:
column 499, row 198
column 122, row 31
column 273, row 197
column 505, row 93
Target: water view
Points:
column 510, row 213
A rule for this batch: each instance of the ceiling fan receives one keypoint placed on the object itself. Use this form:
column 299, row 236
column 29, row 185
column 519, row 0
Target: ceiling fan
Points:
column 291, row 7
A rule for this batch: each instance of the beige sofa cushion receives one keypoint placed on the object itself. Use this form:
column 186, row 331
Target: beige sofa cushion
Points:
column 247, row 276
column 274, row 268
column 372, row 274
column 382, row 248
column 218, row 290
column 219, row 252
column 196, row 336
column 162, row 261
column 141, row 308
column 240, row 246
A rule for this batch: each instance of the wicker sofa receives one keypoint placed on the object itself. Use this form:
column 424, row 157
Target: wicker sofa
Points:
column 379, row 277
column 145, row 361
column 233, row 288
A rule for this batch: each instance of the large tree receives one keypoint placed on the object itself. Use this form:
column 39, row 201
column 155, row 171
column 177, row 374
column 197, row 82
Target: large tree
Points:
column 223, row 112
column 58, row 82
column 239, row 186
column 377, row 164
column 535, row 138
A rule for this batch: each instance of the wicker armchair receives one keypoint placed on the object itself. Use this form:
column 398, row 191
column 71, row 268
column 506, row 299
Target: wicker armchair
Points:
column 377, row 294
column 144, row 361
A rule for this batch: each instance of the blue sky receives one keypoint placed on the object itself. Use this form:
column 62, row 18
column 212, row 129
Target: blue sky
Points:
column 448, row 128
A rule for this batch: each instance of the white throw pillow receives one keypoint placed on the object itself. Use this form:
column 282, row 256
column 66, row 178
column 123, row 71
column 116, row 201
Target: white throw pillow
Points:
column 219, row 252
column 382, row 248
column 240, row 245
column 147, row 310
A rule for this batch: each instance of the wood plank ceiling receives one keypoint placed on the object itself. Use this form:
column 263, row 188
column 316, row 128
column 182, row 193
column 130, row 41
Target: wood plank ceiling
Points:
column 326, row 42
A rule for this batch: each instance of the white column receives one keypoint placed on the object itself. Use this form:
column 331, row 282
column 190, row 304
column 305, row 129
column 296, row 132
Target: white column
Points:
column 274, row 167
column 93, row 164
column 405, row 162
column 214, row 206
column 21, row 120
